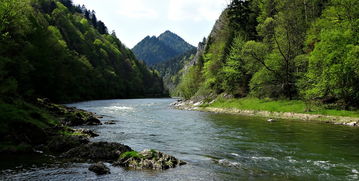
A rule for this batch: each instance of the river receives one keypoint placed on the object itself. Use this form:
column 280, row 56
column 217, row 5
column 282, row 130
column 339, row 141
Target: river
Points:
column 216, row 146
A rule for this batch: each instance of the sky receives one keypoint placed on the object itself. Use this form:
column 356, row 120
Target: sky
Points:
column 133, row 20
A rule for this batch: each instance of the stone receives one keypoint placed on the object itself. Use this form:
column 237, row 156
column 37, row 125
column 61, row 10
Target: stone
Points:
column 352, row 123
column 99, row 168
column 148, row 159
column 97, row 151
column 271, row 120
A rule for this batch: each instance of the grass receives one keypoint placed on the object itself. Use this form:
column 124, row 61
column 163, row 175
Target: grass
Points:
column 294, row 106
column 130, row 154
column 23, row 112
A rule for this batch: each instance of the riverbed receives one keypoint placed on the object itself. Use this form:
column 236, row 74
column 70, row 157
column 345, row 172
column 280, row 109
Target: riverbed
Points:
column 216, row 146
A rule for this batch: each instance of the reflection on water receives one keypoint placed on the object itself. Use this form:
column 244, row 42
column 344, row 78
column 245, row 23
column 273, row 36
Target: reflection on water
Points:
column 217, row 146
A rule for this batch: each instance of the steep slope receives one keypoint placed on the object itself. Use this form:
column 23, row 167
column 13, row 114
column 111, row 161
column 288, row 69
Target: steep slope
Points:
column 60, row 51
column 168, row 45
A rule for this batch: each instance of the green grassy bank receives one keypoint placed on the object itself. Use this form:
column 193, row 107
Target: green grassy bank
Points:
column 279, row 106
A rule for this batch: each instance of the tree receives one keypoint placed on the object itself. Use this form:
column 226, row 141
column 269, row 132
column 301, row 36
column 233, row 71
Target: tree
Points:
column 333, row 63
column 235, row 78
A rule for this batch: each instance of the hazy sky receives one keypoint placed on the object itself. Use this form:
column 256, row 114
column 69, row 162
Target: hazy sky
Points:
column 133, row 20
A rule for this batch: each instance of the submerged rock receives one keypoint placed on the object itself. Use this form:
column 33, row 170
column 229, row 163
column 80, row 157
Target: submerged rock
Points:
column 228, row 163
column 97, row 151
column 110, row 122
column 99, row 168
column 148, row 159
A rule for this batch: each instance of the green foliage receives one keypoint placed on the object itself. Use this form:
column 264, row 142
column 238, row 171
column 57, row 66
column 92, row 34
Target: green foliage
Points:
column 333, row 64
column 57, row 50
column 235, row 74
column 190, row 82
column 295, row 49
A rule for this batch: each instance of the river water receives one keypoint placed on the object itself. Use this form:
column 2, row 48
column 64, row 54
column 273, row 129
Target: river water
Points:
column 216, row 146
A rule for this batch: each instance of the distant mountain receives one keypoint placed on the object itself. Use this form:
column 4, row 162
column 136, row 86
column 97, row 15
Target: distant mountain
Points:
column 168, row 45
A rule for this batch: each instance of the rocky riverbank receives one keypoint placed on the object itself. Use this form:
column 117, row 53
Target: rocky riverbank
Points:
column 200, row 106
column 73, row 145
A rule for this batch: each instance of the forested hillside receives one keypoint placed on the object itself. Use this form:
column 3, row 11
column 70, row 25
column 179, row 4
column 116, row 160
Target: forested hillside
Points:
column 172, row 70
column 165, row 47
column 298, row 49
column 53, row 49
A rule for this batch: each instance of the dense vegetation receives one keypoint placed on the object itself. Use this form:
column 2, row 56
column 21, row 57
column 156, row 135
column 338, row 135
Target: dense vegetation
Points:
column 298, row 49
column 53, row 49
column 168, row 45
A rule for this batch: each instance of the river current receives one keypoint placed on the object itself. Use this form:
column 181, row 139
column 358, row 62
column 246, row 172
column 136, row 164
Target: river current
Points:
column 216, row 146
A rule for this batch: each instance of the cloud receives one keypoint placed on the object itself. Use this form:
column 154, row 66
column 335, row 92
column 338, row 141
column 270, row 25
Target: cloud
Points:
column 197, row 10
column 138, row 9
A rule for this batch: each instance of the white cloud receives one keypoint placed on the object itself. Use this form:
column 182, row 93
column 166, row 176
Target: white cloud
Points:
column 197, row 10
column 137, row 9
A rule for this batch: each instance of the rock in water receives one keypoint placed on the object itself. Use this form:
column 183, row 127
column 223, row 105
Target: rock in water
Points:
column 351, row 123
column 97, row 151
column 110, row 122
column 99, row 168
column 148, row 159
column 271, row 120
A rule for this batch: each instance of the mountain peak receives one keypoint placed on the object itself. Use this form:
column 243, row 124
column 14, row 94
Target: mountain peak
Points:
column 168, row 32
column 164, row 47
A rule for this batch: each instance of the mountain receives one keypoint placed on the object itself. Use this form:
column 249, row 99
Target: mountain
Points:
column 168, row 45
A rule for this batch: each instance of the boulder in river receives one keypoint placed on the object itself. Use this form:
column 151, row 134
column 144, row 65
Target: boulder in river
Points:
column 97, row 151
column 148, row 159
column 99, row 168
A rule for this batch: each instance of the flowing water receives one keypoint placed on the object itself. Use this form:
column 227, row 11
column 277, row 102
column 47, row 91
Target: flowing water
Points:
column 216, row 146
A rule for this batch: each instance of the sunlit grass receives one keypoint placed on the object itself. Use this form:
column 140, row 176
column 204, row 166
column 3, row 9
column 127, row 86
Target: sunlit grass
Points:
column 295, row 106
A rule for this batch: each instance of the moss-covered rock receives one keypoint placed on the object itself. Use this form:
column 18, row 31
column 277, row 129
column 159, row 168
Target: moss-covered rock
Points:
column 148, row 159
column 69, row 116
column 97, row 151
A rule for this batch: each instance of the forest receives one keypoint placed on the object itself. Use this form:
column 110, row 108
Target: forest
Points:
column 281, row 50
column 61, row 51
